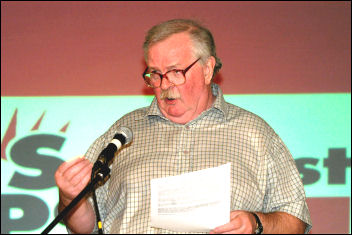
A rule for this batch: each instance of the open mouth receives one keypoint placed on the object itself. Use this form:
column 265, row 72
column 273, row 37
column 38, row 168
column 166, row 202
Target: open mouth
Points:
column 170, row 100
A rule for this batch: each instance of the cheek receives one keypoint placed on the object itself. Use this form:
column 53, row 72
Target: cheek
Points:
column 196, row 86
column 191, row 93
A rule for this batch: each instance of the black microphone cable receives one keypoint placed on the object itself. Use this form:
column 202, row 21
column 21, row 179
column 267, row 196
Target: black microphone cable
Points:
column 96, row 208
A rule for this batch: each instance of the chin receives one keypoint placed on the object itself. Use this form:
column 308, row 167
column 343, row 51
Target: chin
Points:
column 174, row 112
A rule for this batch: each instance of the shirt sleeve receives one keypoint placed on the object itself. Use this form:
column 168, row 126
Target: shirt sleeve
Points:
column 285, row 191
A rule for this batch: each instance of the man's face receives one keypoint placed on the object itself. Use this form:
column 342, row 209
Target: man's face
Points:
column 185, row 102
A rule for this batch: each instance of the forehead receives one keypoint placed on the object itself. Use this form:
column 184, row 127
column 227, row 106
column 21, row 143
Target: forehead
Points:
column 172, row 50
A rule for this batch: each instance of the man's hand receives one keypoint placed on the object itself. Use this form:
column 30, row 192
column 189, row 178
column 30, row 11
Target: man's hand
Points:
column 274, row 222
column 71, row 178
column 240, row 222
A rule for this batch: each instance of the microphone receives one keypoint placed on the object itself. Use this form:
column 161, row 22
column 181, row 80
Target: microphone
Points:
column 123, row 137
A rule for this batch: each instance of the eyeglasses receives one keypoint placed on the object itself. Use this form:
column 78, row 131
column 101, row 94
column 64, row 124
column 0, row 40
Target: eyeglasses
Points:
column 175, row 76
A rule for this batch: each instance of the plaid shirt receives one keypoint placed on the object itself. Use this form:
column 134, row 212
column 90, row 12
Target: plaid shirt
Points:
column 264, row 176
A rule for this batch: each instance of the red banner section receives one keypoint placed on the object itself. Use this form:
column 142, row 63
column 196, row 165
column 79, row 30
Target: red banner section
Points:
column 330, row 214
column 95, row 48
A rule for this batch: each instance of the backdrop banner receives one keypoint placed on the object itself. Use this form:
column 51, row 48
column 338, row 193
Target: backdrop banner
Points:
column 39, row 133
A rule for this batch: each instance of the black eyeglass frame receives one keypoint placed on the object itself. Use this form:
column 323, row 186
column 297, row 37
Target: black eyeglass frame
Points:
column 183, row 71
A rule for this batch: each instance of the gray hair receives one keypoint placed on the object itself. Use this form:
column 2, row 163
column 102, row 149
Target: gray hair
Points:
column 203, row 41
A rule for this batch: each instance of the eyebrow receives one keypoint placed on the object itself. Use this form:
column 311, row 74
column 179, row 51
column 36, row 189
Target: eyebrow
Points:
column 171, row 67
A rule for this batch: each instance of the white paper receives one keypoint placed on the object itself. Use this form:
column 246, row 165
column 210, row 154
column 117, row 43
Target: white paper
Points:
column 192, row 202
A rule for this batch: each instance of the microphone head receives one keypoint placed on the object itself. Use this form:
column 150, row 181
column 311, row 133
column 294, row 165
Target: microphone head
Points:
column 125, row 131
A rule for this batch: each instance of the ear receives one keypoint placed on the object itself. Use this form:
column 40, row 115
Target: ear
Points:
column 208, row 70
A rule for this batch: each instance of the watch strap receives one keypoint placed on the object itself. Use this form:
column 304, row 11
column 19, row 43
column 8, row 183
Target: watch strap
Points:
column 259, row 227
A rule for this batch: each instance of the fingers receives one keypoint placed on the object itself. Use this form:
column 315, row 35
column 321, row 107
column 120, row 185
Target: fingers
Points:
column 72, row 176
column 80, row 176
column 70, row 168
column 223, row 228
column 68, row 164
column 232, row 225
column 239, row 223
column 76, row 171
column 64, row 166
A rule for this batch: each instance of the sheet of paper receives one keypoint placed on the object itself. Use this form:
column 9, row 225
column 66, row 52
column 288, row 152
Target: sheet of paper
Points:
column 192, row 202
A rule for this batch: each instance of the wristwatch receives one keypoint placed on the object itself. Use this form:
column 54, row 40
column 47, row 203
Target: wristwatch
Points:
column 259, row 227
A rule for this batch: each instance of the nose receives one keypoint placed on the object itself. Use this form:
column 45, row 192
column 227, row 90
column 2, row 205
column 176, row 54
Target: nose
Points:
column 165, row 83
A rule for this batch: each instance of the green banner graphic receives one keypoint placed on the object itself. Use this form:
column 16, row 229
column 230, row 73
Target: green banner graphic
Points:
column 39, row 133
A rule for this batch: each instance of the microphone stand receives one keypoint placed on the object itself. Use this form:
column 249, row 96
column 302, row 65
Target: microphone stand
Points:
column 100, row 175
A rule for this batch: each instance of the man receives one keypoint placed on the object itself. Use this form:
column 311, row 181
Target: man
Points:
column 188, row 127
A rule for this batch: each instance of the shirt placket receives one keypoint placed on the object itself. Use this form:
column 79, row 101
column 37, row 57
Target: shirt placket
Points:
column 184, row 151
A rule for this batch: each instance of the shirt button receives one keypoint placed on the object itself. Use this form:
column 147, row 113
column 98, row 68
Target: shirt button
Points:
column 187, row 127
column 185, row 152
